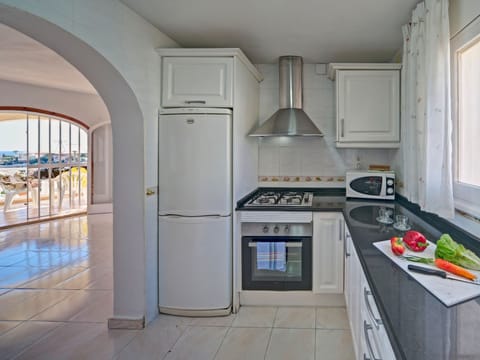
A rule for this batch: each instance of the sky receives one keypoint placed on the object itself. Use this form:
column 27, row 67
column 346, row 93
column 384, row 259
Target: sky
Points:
column 13, row 136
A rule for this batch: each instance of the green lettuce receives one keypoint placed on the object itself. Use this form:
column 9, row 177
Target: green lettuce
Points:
column 448, row 249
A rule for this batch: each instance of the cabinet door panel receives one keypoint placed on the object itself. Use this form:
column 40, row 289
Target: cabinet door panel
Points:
column 368, row 106
column 197, row 82
column 328, row 253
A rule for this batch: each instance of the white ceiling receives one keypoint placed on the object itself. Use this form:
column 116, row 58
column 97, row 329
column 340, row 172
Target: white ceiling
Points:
column 321, row 31
column 25, row 60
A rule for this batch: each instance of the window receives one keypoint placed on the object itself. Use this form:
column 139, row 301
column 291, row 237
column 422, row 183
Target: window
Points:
column 43, row 166
column 465, row 49
column 468, row 117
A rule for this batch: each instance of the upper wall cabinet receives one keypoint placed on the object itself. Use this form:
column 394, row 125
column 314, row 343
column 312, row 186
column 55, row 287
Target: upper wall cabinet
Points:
column 368, row 104
column 197, row 81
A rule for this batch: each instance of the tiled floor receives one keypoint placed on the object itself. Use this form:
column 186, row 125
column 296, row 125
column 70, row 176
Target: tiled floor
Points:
column 56, row 295
column 20, row 214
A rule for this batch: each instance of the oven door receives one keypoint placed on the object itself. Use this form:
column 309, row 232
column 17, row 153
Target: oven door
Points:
column 276, row 263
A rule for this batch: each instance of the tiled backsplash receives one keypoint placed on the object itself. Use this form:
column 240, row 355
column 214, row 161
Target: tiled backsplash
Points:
column 308, row 157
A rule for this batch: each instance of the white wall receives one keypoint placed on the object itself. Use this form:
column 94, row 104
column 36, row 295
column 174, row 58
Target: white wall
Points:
column 88, row 108
column 117, row 55
column 461, row 13
column 280, row 157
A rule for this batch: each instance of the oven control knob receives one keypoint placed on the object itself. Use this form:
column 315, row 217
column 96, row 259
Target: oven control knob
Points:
column 389, row 191
column 390, row 182
column 276, row 229
column 287, row 229
column 265, row 229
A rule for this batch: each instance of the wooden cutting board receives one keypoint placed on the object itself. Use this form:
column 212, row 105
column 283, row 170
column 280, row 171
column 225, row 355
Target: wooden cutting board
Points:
column 449, row 292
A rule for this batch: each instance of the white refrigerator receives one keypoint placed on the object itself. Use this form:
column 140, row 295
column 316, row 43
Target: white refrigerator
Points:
column 195, row 211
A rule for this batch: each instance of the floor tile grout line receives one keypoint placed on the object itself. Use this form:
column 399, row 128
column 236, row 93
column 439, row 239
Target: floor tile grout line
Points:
column 270, row 336
column 20, row 322
column 138, row 332
column 37, row 341
column 176, row 341
column 221, row 342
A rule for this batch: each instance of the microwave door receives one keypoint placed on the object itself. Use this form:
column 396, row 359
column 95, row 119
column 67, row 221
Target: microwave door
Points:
column 371, row 185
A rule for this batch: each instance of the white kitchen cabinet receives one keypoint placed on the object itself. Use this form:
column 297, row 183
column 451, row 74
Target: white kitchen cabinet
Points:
column 368, row 332
column 367, row 105
column 376, row 338
column 197, row 82
column 352, row 291
column 328, row 244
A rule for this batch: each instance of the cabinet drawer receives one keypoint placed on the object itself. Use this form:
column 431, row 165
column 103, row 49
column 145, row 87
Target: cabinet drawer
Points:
column 373, row 328
column 197, row 82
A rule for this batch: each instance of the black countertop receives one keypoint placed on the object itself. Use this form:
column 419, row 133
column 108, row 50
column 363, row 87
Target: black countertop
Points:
column 418, row 324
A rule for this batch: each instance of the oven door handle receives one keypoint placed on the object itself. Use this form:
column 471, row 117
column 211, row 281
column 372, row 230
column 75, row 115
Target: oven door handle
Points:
column 297, row 244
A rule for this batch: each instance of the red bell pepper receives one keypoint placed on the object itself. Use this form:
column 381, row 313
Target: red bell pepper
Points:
column 397, row 245
column 415, row 241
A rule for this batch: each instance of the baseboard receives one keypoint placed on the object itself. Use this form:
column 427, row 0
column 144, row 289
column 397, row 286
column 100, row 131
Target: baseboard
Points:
column 126, row 323
column 290, row 298
column 100, row 208
column 195, row 313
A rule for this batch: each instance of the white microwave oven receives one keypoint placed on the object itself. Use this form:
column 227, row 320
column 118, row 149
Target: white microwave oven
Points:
column 370, row 184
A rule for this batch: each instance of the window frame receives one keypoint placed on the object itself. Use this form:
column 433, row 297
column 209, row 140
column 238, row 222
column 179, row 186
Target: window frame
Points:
column 466, row 196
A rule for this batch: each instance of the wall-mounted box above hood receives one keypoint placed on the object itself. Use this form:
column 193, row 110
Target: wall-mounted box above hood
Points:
column 290, row 119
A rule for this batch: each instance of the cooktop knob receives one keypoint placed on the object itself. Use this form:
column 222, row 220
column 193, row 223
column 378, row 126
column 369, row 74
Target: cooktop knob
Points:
column 265, row 229
column 276, row 229
column 287, row 229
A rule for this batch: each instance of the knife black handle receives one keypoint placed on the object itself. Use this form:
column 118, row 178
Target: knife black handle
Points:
column 428, row 271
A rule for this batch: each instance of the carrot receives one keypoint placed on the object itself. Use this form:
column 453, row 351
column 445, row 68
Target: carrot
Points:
column 454, row 269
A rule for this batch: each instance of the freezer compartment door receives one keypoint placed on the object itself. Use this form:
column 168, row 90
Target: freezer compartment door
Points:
column 195, row 266
column 195, row 164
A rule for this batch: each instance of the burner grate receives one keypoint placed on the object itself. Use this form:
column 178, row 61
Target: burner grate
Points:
column 281, row 198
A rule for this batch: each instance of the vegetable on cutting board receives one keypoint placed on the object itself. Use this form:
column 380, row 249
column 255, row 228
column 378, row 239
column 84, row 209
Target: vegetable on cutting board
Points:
column 415, row 241
column 454, row 269
column 396, row 244
column 448, row 249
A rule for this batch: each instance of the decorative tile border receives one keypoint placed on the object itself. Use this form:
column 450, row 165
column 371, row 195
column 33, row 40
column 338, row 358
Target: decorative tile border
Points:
column 314, row 179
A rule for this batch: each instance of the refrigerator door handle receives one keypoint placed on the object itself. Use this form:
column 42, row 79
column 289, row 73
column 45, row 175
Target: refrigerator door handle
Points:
column 196, row 216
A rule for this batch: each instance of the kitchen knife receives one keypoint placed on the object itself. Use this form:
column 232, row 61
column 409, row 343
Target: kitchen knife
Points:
column 443, row 274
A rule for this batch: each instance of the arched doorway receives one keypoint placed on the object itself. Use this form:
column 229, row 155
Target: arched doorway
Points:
column 43, row 165
column 130, row 267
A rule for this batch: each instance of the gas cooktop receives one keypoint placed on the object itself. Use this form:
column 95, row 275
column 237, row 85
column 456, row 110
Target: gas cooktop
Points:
column 281, row 198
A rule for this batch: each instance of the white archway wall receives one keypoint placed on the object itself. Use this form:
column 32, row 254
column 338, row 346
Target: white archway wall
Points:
column 88, row 108
column 127, row 42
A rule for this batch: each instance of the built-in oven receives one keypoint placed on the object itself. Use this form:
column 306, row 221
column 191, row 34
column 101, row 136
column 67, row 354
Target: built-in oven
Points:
column 276, row 256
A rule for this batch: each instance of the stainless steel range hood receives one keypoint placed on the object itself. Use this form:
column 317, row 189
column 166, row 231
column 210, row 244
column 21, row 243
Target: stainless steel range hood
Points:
column 290, row 119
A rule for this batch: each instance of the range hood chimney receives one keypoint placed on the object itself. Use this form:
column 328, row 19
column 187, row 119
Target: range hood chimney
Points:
column 290, row 119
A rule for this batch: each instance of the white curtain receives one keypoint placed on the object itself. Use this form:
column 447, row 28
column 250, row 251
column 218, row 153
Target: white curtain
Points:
column 426, row 115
